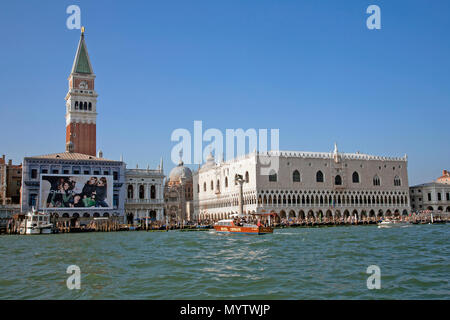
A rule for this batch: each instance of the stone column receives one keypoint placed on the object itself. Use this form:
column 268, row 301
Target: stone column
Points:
column 240, row 180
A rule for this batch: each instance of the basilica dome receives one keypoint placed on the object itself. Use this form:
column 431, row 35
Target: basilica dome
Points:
column 180, row 172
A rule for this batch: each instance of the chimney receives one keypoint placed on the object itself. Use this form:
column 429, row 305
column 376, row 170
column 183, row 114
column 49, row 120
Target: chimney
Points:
column 9, row 162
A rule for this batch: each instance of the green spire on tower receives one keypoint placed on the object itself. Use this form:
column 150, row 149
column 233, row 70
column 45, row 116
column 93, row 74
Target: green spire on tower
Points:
column 82, row 64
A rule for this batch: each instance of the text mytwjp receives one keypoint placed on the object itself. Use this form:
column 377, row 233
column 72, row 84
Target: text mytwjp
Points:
column 234, row 309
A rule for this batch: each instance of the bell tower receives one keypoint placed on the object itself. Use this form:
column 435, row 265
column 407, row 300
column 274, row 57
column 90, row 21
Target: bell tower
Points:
column 81, row 104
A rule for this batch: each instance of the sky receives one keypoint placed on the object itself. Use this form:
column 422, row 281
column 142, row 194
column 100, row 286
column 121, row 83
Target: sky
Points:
column 311, row 69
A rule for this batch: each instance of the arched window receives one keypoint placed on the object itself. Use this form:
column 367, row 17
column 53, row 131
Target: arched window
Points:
column 204, row 186
column 338, row 180
column 296, row 176
column 397, row 181
column 76, row 105
column 212, row 185
column 355, row 177
column 152, row 192
column 130, row 192
column 141, row 192
column 198, row 188
column 273, row 176
column 376, row 181
column 246, row 177
column 226, row 182
column 90, row 106
column 319, row 176
column 85, row 105
column 218, row 185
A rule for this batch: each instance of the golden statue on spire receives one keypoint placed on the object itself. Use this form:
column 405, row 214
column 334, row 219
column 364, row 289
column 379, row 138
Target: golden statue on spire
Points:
column 82, row 30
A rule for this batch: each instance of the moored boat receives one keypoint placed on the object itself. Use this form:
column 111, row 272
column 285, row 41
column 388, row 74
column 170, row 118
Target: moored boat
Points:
column 392, row 223
column 36, row 223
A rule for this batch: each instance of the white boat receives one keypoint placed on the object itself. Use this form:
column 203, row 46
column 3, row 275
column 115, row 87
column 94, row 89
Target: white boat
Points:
column 36, row 223
column 392, row 223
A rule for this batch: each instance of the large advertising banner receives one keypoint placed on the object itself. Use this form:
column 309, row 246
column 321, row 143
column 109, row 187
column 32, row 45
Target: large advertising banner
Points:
column 76, row 191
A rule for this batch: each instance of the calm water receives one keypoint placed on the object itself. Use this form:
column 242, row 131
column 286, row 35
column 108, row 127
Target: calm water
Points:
column 304, row 263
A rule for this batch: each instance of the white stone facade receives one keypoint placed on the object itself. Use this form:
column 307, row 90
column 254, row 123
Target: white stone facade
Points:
column 432, row 196
column 369, row 186
column 145, row 194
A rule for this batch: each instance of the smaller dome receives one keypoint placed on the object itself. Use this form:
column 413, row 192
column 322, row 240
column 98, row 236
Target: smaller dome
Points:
column 180, row 172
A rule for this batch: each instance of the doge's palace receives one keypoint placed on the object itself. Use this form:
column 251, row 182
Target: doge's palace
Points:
column 306, row 184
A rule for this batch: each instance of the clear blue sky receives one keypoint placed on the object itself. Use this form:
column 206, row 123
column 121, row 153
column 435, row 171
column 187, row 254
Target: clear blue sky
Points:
column 310, row 68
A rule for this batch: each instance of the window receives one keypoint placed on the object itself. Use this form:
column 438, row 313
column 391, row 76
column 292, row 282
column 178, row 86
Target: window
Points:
column 116, row 200
column 376, row 181
column 448, row 196
column 44, row 171
column 397, row 181
column 90, row 106
column 273, row 176
column 106, row 173
column 198, row 188
column 76, row 171
column 96, row 172
column 338, row 180
column 204, row 186
column 76, row 105
column 226, row 182
column 141, row 192
column 247, row 179
column 439, row 196
column 33, row 173
column 115, row 175
column 319, row 176
column 212, row 185
column 296, row 176
column 130, row 192
column 355, row 177
column 32, row 200
column 152, row 192
column 86, row 171
column 55, row 171
column 429, row 196
column 66, row 171
column 85, row 105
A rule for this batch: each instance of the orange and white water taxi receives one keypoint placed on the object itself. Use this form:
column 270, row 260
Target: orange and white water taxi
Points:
column 231, row 226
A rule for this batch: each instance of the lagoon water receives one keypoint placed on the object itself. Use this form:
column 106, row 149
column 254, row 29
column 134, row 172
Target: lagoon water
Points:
column 293, row 263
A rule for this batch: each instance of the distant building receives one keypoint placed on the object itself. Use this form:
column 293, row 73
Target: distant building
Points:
column 178, row 194
column 145, row 194
column 432, row 196
column 445, row 178
column 10, row 182
column 74, row 185
column 306, row 184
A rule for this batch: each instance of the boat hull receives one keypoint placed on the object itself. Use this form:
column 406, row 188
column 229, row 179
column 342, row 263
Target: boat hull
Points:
column 243, row 230
column 393, row 225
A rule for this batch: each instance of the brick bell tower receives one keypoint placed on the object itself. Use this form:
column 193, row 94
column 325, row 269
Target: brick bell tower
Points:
column 81, row 104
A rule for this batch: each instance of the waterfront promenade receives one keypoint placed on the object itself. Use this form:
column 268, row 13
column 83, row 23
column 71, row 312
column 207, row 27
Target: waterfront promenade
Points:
column 66, row 225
